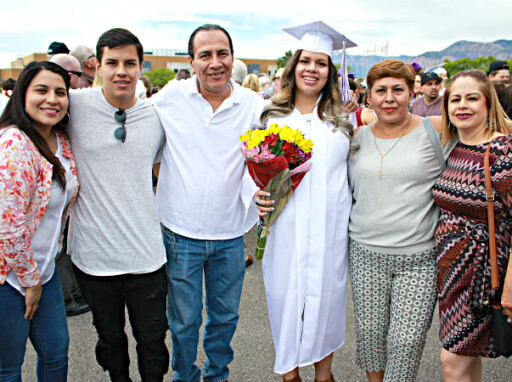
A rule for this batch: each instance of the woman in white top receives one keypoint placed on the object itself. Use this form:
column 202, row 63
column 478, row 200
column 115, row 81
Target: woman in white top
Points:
column 38, row 186
column 305, row 262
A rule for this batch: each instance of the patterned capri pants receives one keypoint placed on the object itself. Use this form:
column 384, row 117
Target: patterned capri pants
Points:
column 394, row 299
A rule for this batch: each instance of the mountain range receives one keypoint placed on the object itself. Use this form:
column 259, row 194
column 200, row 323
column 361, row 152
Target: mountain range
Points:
column 500, row 49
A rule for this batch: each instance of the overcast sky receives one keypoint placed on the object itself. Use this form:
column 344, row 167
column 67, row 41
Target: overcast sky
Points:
column 409, row 27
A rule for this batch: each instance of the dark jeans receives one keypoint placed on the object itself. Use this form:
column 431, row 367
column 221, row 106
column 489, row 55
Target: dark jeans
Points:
column 145, row 297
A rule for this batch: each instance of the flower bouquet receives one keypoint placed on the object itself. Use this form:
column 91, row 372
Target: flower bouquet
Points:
column 277, row 159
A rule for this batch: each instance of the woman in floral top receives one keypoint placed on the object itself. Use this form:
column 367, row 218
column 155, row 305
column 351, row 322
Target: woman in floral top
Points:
column 38, row 185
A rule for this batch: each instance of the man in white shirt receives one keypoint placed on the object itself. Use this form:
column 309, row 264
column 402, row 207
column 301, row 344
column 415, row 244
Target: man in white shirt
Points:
column 204, row 200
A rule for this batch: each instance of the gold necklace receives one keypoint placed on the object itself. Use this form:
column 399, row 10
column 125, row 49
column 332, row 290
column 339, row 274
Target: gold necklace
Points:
column 392, row 147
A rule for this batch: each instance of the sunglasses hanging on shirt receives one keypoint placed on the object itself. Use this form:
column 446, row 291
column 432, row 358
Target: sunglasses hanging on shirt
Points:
column 120, row 132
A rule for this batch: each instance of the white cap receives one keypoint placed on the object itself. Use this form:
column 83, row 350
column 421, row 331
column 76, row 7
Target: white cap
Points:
column 318, row 37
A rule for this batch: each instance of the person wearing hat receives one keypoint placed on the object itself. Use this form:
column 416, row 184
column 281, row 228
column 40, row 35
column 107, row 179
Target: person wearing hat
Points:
column 56, row 48
column 305, row 262
column 431, row 102
column 499, row 71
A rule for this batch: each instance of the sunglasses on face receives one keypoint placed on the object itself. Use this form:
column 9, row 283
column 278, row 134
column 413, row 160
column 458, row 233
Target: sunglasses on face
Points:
column 79, row 74
column 120, row 132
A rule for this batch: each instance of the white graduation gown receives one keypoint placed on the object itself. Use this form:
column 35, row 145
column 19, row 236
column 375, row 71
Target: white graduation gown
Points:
column 305, row 261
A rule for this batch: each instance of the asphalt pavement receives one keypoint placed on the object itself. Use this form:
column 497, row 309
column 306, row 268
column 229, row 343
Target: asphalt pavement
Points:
column 253, row 346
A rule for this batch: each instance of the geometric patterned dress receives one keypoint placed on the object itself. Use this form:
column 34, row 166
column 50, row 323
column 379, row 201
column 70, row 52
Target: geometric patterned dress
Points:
column 464, row 279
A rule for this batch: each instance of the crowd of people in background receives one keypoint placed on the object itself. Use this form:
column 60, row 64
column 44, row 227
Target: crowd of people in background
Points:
column 389, row 205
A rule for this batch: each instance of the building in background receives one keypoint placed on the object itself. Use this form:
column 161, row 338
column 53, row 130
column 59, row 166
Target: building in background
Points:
column 171, row 59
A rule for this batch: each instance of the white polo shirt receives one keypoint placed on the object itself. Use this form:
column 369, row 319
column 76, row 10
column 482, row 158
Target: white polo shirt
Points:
column 203, row 190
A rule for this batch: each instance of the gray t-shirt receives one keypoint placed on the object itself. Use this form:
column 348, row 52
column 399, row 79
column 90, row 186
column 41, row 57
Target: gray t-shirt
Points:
column 114, row 227
column 419, row 107
column 396, row 214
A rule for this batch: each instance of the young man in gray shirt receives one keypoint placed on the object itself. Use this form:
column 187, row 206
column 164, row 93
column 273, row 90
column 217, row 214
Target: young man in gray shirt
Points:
column 115, row 238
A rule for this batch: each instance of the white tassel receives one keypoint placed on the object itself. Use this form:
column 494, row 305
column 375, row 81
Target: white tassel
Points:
column 344, row 85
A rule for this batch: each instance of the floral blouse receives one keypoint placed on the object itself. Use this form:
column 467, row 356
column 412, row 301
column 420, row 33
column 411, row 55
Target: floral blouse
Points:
column 25, row 185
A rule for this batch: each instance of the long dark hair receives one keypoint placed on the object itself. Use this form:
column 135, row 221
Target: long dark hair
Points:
column 329, row 107
column 15, row 113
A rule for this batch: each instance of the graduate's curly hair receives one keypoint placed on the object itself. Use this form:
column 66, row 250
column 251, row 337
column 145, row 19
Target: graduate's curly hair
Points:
column 330, row 105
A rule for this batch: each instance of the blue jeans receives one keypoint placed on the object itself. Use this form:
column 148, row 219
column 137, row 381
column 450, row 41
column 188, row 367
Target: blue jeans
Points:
column 48, row 332
column 223, row 264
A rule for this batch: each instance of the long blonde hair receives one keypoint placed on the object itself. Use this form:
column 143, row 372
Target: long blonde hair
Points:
column 497, row 118
column 251, row 82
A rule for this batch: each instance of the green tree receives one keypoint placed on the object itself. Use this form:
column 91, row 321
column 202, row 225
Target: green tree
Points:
column 160, row 76
column 481, row 63
column 350, row 69
column 281, row 62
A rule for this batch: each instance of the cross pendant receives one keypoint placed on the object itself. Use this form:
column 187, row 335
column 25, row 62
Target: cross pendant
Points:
column 380, row 175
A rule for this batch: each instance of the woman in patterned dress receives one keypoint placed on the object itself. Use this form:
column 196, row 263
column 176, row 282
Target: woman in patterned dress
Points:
column 471, row 109
column 38, row 184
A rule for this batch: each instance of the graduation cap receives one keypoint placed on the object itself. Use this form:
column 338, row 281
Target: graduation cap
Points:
column 437, row 69
column 318, row 37
column 415, row 65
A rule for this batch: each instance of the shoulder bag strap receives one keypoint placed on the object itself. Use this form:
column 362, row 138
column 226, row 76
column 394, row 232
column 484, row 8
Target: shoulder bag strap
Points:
column 431, row 132
column 495, row 281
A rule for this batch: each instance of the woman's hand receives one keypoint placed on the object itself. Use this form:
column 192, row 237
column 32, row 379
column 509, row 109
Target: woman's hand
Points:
column 32, row 297
column 352, row 105
column 263, row 204
column 506, row 297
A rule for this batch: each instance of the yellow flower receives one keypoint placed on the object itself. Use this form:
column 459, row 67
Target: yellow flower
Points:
column 246, row 136
column 287, row 134
column 257, row 136
column 306, row 145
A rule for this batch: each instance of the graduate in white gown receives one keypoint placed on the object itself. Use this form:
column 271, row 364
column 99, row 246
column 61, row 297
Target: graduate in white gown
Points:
column 305, row 261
